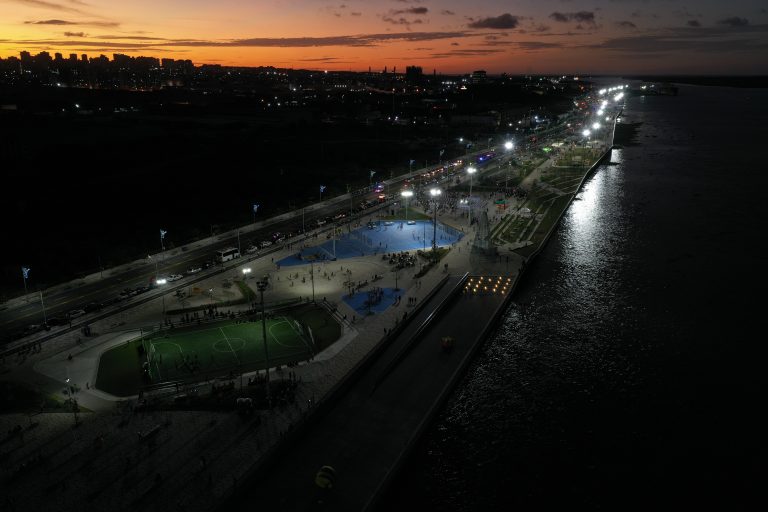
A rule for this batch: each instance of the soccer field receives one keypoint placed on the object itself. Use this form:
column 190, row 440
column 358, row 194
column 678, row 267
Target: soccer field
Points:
column 231, row 344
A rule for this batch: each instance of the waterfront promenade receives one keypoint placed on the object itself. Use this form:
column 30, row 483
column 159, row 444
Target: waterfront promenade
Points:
column 202, row 457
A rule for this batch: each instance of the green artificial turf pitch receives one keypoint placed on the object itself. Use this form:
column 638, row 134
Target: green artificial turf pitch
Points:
column 180, row 354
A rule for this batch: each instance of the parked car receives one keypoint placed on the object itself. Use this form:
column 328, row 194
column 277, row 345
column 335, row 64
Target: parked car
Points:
column 32, row 329
column 252, row 249
column 175, row 277
column 193, row 270
column 266, row 243
column 76, row 313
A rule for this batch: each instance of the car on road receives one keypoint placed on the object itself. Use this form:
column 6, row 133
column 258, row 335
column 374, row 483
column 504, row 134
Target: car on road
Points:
column 175, row 277
column 266, row 243
column 92, row 306
column 32, row 329
column 142, row 289
column 76, row 313
column 411, row 222
column 193, row 270
column 251, row 249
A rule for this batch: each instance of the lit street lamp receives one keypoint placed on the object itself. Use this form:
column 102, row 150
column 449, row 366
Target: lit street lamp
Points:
column 406, row 194
column 435, row 193
column 470, row 171
column 261, row 285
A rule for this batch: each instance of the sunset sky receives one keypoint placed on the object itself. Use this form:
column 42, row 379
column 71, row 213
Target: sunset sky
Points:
column 451, row 36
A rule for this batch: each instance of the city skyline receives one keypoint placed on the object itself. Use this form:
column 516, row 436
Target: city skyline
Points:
column 556, row 36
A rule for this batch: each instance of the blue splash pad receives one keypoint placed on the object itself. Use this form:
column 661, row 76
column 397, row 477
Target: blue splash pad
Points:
column 385, row 300
column 384, row 237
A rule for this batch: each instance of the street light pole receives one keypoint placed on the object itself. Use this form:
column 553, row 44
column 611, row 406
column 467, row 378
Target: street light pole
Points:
column 406, row 194
column 261, row 285
column 435, row 192
column 471, row 171
column 45, row 320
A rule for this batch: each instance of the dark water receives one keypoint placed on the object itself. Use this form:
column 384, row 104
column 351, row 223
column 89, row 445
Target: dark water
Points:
column 635, row 377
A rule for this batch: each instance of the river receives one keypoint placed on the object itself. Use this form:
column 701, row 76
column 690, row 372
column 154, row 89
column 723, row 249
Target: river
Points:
column 629, row 371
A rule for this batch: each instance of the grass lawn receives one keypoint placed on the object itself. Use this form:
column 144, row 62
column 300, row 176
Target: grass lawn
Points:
column 216, row 348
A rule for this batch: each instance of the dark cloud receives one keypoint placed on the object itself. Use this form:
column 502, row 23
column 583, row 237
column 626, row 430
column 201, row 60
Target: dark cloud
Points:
column 55, row 6
column 560, row 17
column 401, row 21
column 693, row 23
column 580, row 16
column 75, row 34
column 584, row 16
column 50, row 22
column 454, row 43
column 133, row 38
column 447, row 12
column 504, row 21
column 626, row 24
column 360, row 40
column 104, row 24
column 469, row 52
column 410, row 10
column 700, row 40
column 734, row 22
column 355, row 14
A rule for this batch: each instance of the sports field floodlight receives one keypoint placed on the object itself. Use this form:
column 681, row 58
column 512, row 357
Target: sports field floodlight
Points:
column 435, row 193
column 595, row 125
column 407, row 194
column 508, row 145
column 470, row 171
column 586, row 133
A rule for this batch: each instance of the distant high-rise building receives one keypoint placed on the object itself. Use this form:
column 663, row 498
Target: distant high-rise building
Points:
column 413, row 73
column 73, row 57
column 84, row 58
column 479, row 77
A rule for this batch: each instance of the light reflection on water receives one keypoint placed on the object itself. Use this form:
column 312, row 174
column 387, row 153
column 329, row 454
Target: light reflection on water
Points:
column 605, row 382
